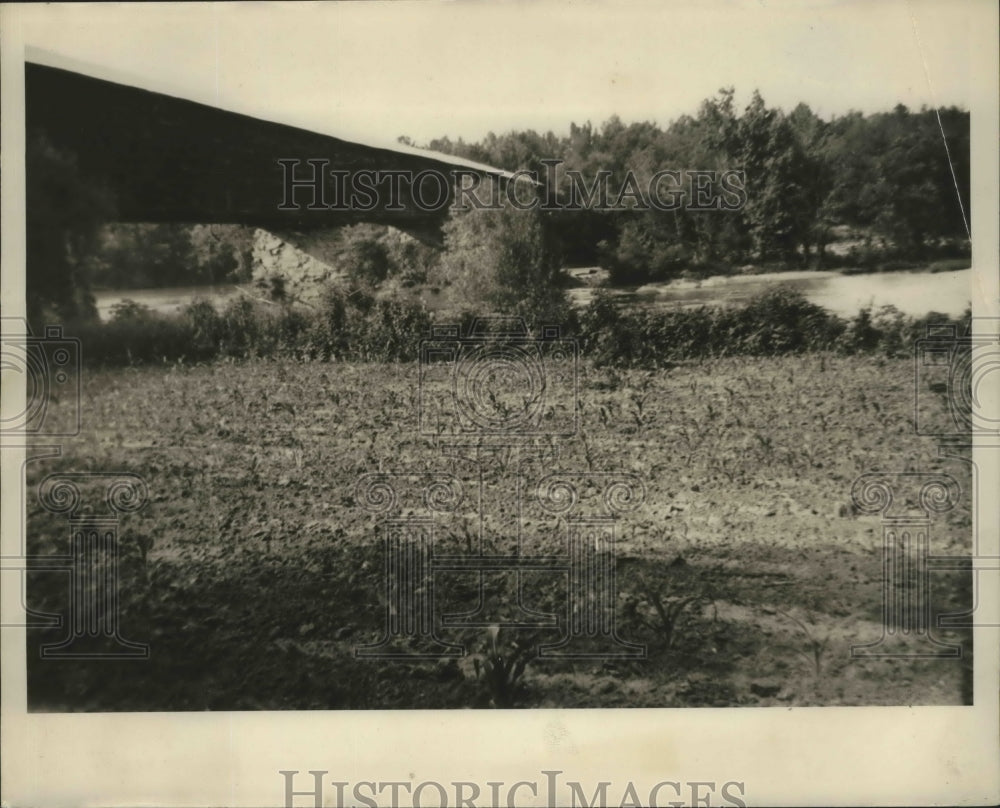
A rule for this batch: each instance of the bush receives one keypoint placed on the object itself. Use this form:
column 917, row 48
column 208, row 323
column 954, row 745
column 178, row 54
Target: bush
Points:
column 138, row 338
column 206, row 328
column 777, row 322
column 358, row 326
column 129, row 310
column 503, row 260
column 644, row 254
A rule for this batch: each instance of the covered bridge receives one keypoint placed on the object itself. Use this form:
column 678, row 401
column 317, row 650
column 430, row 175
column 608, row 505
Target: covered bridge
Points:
column 168, row 159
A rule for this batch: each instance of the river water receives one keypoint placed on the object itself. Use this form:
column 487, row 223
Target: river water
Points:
column 167, row 300
column 915, row 293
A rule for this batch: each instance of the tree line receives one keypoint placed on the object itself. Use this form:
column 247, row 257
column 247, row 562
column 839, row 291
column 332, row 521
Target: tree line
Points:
column 893, row 185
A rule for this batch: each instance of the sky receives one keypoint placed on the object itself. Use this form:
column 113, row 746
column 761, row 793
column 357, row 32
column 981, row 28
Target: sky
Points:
column 375, row 71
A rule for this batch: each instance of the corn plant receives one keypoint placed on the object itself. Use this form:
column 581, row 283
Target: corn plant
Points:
column 500, row 669
column 815, row 646
column 673, row 592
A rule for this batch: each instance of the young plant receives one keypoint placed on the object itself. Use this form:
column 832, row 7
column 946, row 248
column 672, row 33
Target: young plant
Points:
column 500, row 669
column 672, row 592
column 815, row 647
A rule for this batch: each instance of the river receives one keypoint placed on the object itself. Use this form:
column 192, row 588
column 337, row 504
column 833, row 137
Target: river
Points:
column 915, row 292
column 167, row 300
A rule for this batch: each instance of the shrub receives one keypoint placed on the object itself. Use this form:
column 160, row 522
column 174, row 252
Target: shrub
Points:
column 503, row 260
column 206, row 328
column 129, row 310
column 777, row 322
column 358, row 326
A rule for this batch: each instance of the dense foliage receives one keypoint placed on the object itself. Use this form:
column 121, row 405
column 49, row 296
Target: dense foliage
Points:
column 142, row 256
column 503, row 260
column 357, row 326
column 898, row 181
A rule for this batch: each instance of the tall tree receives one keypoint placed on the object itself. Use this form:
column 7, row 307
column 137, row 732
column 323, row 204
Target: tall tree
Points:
column 504, row 261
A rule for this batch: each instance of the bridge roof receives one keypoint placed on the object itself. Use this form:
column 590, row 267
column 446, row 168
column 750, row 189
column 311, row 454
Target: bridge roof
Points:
column 170, row 158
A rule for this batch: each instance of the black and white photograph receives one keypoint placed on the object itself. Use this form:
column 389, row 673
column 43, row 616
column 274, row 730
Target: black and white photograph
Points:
column 596, row 362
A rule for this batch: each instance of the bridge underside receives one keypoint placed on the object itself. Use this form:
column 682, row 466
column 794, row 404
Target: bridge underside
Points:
column 168, row 159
